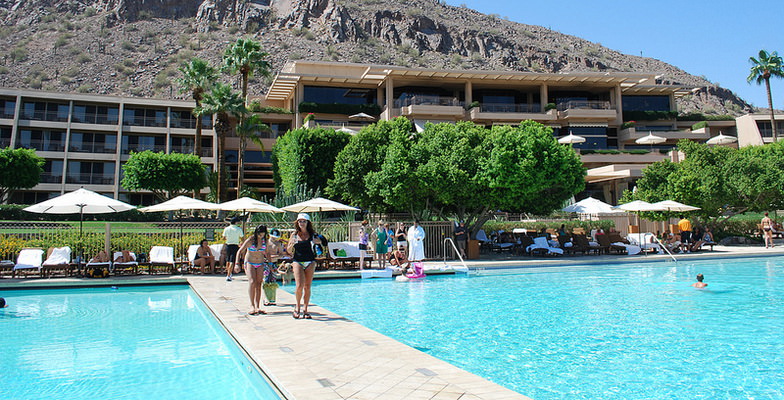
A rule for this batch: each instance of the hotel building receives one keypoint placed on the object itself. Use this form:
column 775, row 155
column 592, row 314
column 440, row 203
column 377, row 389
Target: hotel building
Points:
column 86, row 138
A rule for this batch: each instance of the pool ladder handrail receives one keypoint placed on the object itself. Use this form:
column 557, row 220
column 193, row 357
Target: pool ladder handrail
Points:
column 452, row 242
column 666, row 249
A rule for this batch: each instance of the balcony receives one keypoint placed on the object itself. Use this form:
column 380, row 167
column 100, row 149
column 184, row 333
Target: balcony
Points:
column 42, row 145
column 205, row 151
column 438, row 106
column 509, row 112
column 40, row 115
column 629, row 135
column 587, row 109
column 141, row 148
column 89, row 179
column 48, row 178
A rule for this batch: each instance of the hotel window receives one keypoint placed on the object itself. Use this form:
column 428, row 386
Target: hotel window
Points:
column 7, row 108
column 94, row 114
column 646, row 103
column 338, row 95
column 765, row 129
column 5, row 137
column 595, row 137
column 45, row 111
column 90, row 173
column 186, row 120
column 144, row 117
column 41, row 140
column 276, row 130
column 53, row 171
column 139, row 143
column 88, row 142
column 492, row 100
column 421, row 95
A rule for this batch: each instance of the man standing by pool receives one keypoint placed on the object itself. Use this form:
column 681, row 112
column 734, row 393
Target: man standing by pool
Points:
column 233, row 235
column 416, row 243
column 685, row 226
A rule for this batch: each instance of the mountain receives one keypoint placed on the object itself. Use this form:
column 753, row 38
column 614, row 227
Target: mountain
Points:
column 134, row 47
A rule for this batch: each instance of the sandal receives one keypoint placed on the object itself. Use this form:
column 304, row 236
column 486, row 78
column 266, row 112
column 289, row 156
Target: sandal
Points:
column 295, row 314
column 253, row 313
column 306, row 316
column 261, row 312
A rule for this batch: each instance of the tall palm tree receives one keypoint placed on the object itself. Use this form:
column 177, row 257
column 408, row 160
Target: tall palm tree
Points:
column 246, row 58
column 225, row 104
column 197, row 78
column 767, row 65
column 248, row 128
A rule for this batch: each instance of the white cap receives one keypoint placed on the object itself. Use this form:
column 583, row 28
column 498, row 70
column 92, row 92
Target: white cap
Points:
column 304, row 216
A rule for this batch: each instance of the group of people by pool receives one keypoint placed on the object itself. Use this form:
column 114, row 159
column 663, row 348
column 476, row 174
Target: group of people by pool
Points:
column 400, row 247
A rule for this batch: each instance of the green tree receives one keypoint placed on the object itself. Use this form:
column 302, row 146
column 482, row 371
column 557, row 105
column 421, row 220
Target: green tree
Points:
column 245, row 58
column 248, row 128
column 197, row 78
column 306, row 157
column 763, row 67
column 166, row 175
column 225, row 104
column 19, row 169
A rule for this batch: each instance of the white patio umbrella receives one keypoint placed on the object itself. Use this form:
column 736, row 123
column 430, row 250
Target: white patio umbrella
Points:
column 721, row 139
column 638, row 206
column 590, row 206
column 346, row 130
column 180, row 203
column 571, row 139
column 650, row 139
column 674, row 206
column 247, row 204
column 318, row 204
column 81, row 201
column 362, row 116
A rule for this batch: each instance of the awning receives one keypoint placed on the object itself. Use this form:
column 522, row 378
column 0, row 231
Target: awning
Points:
column 587, row 125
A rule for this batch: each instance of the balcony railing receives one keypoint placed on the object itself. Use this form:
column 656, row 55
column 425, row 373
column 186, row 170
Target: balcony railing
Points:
column 140, row 148
column 145, row 121
column 43, row 145
column 47, row 178
column 205, row 151
column 90, row 179
column 429, row 100
column 103, row 119
column 584, row 105
column 45, row 116
column 92, row 148
column 510, row 108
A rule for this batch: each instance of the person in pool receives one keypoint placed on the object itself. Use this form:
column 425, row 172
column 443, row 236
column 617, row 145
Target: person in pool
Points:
column 699, row 284
column 254, row 252
column 301, row 247
column 3, row 304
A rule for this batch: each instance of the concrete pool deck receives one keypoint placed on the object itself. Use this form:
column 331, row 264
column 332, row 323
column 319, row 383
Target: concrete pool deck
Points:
column 331, row 357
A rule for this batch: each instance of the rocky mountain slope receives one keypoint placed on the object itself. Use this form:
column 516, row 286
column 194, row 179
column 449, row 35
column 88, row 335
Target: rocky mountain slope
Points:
column 134, row 47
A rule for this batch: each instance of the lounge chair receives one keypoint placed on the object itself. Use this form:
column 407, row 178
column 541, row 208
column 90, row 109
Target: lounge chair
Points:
column 192, row 249
column 582, row 242
column 58, row 259
column 567, row 245
column 541, row 245
column 647, row 241
column 6, row 267
column 28, row 260
column 343, row 254
column 103, row 265
column 617, row 247
column 120, row 268
column 161, row 258
column 220, row 256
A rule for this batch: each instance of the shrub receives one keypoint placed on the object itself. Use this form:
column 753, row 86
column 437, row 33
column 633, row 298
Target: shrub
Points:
column 699, row 125
column 628, row 124
column 508, row 226
column 696, row 116
column 256, row 107
column 549, row 106
column 337, row 108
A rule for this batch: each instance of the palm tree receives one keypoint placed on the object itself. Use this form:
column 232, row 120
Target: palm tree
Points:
column 248, row 128
column 246, row 58
column 197, row 78
column 225, row 104
column 767, row 65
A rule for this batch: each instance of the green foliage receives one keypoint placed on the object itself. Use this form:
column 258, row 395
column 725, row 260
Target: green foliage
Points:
column 550, row 106
column 569, row 225
column 256, row 107
column 699, row 125
column 306, row 157
column 649, row 115
column 19, row 169
column 166, row 175
column 245, row 58
column 695, row 116
column 336, row 108
column 610, row 151
column 628, row 124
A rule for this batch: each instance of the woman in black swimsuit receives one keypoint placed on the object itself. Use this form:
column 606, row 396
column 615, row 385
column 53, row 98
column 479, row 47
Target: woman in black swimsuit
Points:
column 301, row 246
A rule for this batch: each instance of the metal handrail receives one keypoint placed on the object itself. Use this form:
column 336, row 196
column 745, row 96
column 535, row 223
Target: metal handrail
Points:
column 452, row 242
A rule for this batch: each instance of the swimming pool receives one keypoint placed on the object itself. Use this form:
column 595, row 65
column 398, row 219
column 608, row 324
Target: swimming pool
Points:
column 610, row 331
column 129, row 343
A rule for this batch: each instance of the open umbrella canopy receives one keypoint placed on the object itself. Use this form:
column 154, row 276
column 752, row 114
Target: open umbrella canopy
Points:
column 650, row 139
column 318, row 204
column 346, row 130
column 181, row 203
column 362, row 116
column 571, row 139
column 249, row 204
column 590, row 206
column 671, row 205
column 80, row 201
column 639, row 206
column 722, row 139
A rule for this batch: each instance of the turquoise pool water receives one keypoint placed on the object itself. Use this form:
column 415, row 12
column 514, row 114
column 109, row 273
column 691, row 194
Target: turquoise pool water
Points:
column 599, row 332
column 129, row 343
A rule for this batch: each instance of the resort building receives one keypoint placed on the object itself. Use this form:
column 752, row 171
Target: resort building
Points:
column 85, row 139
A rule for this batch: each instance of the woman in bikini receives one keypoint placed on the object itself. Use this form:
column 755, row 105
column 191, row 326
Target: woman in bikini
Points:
column 301, row 246
column 254, row 252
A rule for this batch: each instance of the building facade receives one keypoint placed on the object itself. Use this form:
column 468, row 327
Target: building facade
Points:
column 85, row 139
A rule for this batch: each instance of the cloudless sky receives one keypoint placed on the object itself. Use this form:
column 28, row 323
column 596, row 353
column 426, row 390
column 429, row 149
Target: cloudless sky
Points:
column 713, row 39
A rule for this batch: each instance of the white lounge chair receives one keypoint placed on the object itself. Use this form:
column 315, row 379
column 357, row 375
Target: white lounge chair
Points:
column 163, row 257
column 58, row 260
column 646, row 241
column 28, row 260
column 377, row 273
column 541, row 243
column 192, row 249
column 119, row 267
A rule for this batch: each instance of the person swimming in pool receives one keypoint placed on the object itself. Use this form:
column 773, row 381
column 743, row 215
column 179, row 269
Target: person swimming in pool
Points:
column 699, row 284
column 254, row 252
column 301, row 247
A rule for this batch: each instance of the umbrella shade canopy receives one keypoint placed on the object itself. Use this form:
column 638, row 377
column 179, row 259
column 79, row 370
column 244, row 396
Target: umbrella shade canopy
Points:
column 638, row 206
column 318, row 204
column 346, row 130
column 181, row 203
column 248, row 204
column 362, row 116
column 80, row 201
column 722, row 139
column 571, row 139
column 590, row 206
column 650, row 139
column 670, row 205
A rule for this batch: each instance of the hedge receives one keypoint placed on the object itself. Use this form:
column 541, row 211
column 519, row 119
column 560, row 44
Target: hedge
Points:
column 702, row 117
column 338, row 108
column 648, row 115
column 508, row 226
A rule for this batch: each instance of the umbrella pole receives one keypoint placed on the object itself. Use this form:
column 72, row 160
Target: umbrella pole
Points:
column 80, row 255
column 181, row 245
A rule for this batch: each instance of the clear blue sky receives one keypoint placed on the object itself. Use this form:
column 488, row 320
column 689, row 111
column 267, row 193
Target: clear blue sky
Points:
column 713, row 39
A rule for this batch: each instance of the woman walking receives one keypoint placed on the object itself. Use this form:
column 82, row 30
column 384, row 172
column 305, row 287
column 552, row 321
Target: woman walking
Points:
column 301, row 246
column 254, row 252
